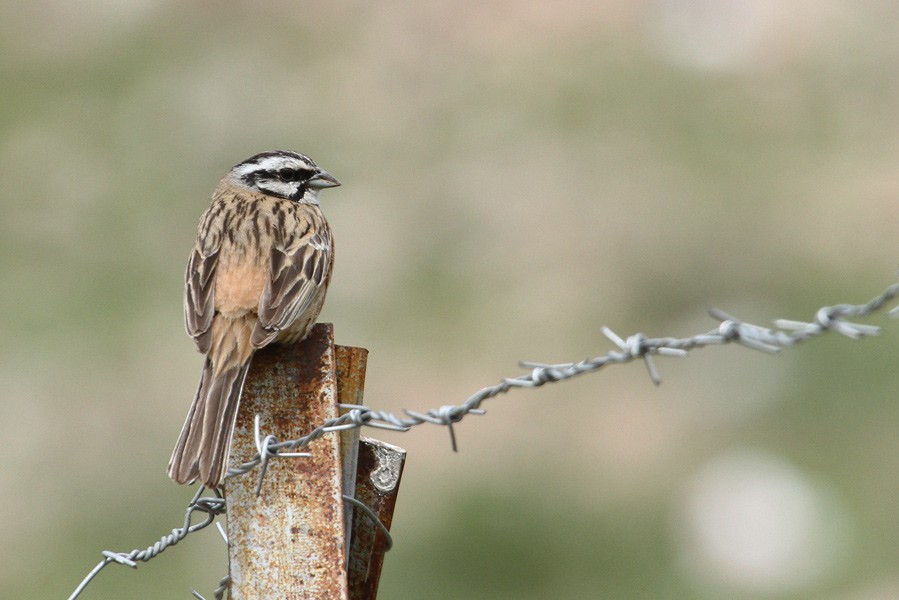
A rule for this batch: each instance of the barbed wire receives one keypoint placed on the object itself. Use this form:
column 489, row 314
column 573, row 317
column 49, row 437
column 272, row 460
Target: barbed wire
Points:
column 730, row 330
column 211, row 506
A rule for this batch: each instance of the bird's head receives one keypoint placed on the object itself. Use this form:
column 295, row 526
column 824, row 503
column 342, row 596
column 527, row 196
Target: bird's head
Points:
column 283, row 174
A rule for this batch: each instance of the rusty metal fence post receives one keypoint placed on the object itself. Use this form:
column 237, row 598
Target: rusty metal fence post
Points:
column 351, row 364
column 379, row 471
column 291, row 540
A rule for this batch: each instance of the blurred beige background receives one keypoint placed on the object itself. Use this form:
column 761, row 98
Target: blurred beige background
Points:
column 516, row 175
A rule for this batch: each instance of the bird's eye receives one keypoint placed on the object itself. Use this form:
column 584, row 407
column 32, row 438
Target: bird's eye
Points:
column 289, row 174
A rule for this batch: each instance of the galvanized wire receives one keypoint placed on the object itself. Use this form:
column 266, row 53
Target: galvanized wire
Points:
column 730, row 330
column 211, row 506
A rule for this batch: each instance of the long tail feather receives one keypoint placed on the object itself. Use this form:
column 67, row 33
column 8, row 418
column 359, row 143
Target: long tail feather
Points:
column 205, row 440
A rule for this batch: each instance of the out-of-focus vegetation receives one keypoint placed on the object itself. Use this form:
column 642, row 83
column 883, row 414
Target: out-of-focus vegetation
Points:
column 515, row 176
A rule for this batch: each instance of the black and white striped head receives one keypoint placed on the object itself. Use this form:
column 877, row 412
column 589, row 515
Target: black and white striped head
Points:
column 283, row 174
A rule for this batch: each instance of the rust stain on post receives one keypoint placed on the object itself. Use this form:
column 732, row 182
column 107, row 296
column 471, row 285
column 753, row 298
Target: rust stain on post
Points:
column 380, row 469
column 351, row 363
column 289, row 542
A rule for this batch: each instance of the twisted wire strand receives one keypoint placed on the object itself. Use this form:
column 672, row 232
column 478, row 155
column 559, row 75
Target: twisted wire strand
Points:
column 730, row 330
column 211, row 506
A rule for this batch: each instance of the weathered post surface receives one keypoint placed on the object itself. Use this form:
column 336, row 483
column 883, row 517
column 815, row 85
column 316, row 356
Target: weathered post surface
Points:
column 289, row 542
column 379, row 472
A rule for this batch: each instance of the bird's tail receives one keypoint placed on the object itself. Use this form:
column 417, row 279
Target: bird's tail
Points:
column 205, row 441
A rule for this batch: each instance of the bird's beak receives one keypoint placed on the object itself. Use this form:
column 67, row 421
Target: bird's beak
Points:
column 323, row 180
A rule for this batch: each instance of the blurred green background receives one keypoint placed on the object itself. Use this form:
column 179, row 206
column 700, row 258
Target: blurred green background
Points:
column 515, row 176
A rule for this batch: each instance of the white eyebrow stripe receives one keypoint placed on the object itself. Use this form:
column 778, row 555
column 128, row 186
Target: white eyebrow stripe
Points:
column 272, row 163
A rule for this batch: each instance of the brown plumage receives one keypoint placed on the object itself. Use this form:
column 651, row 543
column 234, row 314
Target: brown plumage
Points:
column 257, row 274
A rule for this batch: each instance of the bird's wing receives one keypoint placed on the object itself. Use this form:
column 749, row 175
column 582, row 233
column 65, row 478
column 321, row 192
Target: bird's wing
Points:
column 300, row 267
column 199, row 296
column 199, row 278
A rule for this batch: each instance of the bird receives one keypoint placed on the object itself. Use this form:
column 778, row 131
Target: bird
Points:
column 257, row 275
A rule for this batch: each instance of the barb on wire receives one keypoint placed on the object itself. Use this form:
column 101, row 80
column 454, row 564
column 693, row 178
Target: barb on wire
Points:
column 786, row 333
column 638, row 346
column 265, row 450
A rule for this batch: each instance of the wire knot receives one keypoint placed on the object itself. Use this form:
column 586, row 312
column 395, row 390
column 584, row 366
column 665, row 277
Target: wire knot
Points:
column 635, row 345
column 118, row 557
column 825, row 317
column 269, row 447
column 729, row 329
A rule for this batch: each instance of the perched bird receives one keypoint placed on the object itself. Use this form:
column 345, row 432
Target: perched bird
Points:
column 257, row 274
